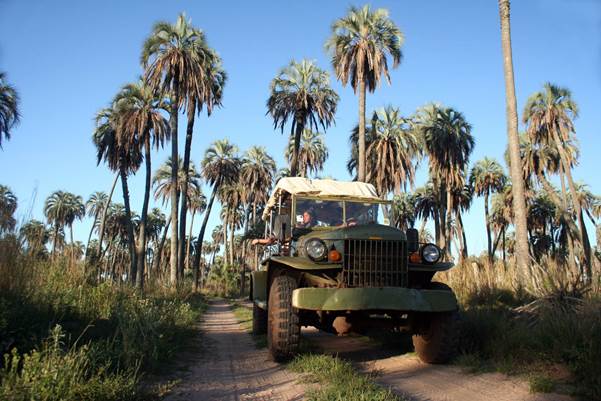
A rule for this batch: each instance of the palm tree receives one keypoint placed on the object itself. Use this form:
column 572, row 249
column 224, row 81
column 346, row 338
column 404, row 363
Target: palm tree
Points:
column 312, row 152
column 487, row 177
column 392, row 150
column 163, row 184
column 462, row 201
column 448, row 143
column 62, row 209
column 118, row 157
column 428, row 206
column 403, row 206
column 220, row 166
column 209, row 95
column 549, row 116
column 359, row 46
column 9, row 108
column 197, row 203
column 8, row 207
column 301, row 93
column 515, row 168
column 95, row 204
column 141, row 123
column 257, row 172
column 36, row 235
column 173, row 59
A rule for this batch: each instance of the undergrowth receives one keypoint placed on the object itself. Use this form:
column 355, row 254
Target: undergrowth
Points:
column 546, row 328
column 66, row 337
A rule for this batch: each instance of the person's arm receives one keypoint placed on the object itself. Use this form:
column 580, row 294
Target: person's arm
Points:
column 263, row 241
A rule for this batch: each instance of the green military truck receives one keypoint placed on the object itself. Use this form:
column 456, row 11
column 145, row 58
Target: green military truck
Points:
column 333, row 261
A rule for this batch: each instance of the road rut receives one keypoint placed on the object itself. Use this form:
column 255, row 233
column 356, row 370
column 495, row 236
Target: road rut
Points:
column 231, row 368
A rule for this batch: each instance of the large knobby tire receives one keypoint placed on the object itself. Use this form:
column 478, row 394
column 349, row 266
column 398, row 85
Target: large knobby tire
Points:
column 283, row 328
column 435, row 340
column 259, row 320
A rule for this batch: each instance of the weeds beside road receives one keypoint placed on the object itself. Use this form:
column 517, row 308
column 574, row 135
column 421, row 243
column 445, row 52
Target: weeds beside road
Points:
column 68, row 338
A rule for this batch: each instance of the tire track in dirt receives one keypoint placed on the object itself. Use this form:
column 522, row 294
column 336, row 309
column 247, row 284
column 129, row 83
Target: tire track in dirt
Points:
column 407, row 376
column 231, row 368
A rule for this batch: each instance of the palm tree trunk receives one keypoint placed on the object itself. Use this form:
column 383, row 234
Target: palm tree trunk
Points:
column 488, row 238
column 91, row 231
column 225, row 241
column 174, row 187
column 448, row 235
column 72, row 256
column 55, row 239
column 184, row 206
column 361, row 147
column 130, row 227
column 515, row 165
column 189, row 240
column 586, row 246
column 104, row 214
column 232, row 238
column 158, row 256
column 201, row 236
column 464, row 251
column 294, row 159
column 141, row 251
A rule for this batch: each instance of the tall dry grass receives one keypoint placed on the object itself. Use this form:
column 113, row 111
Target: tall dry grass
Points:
column 549, row 318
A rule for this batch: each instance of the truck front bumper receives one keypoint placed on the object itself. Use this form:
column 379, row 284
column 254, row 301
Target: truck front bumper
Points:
column 386, row 298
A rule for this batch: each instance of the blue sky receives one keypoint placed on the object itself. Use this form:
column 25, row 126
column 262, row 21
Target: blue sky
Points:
column 68, row 58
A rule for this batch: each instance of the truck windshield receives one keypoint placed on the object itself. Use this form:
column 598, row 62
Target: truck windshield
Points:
column 326, row 213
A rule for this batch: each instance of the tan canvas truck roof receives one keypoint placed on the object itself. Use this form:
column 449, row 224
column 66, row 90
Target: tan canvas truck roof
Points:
column 331, row 189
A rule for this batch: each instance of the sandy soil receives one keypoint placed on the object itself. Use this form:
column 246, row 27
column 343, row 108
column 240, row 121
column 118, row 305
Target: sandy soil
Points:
column 406, row 375
column 231, row 368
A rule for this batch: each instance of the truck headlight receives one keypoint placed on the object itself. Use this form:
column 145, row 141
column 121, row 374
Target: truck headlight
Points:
column 316, row 249
column 430, row 253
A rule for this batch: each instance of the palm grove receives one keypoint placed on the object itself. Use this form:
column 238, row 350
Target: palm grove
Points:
column 182, row 74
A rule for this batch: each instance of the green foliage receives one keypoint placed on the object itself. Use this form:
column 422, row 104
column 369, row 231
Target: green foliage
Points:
column 101, row 335
column 338, row 380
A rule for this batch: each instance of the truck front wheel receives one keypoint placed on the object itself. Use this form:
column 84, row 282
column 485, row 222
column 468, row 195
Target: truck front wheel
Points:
column 283, row 327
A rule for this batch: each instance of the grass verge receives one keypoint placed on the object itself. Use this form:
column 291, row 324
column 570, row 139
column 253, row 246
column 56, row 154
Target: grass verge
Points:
column 244, row 315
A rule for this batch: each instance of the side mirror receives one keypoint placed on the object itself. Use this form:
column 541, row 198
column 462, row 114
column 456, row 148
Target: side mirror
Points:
column 412, row 240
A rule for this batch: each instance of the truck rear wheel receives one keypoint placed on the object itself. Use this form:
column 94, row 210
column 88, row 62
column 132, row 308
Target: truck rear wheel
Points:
column 259, row 320
column 283, row 327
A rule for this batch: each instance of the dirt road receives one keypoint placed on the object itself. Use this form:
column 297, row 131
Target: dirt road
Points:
column 231, row 368
column 406, row 375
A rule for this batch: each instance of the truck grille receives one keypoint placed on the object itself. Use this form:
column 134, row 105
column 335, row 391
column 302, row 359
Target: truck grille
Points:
column 375, row 263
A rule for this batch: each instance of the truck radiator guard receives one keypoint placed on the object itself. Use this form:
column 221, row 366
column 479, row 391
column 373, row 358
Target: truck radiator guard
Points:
column 375, row 263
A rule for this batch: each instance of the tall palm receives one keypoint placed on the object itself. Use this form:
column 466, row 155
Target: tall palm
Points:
column 360, row 44
column 95, row 204
column 231, row 197
column 142, row 124
column 403, row 206
column 462, row 201
column 163, row 184
column 515, row 168
column 173, row 58
column 301, row 94
column 62, row 209
column 119, row 158
column 197, row 203
column 448, row 142
column 549, row 116
column 393, row 149
column 209, row 94
column 312, row 152
column 257, row 172
column 36, row 235
column 487, row 177
column 8, row 207
column 9, row 108
column 428, row 206
column 220, row 165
